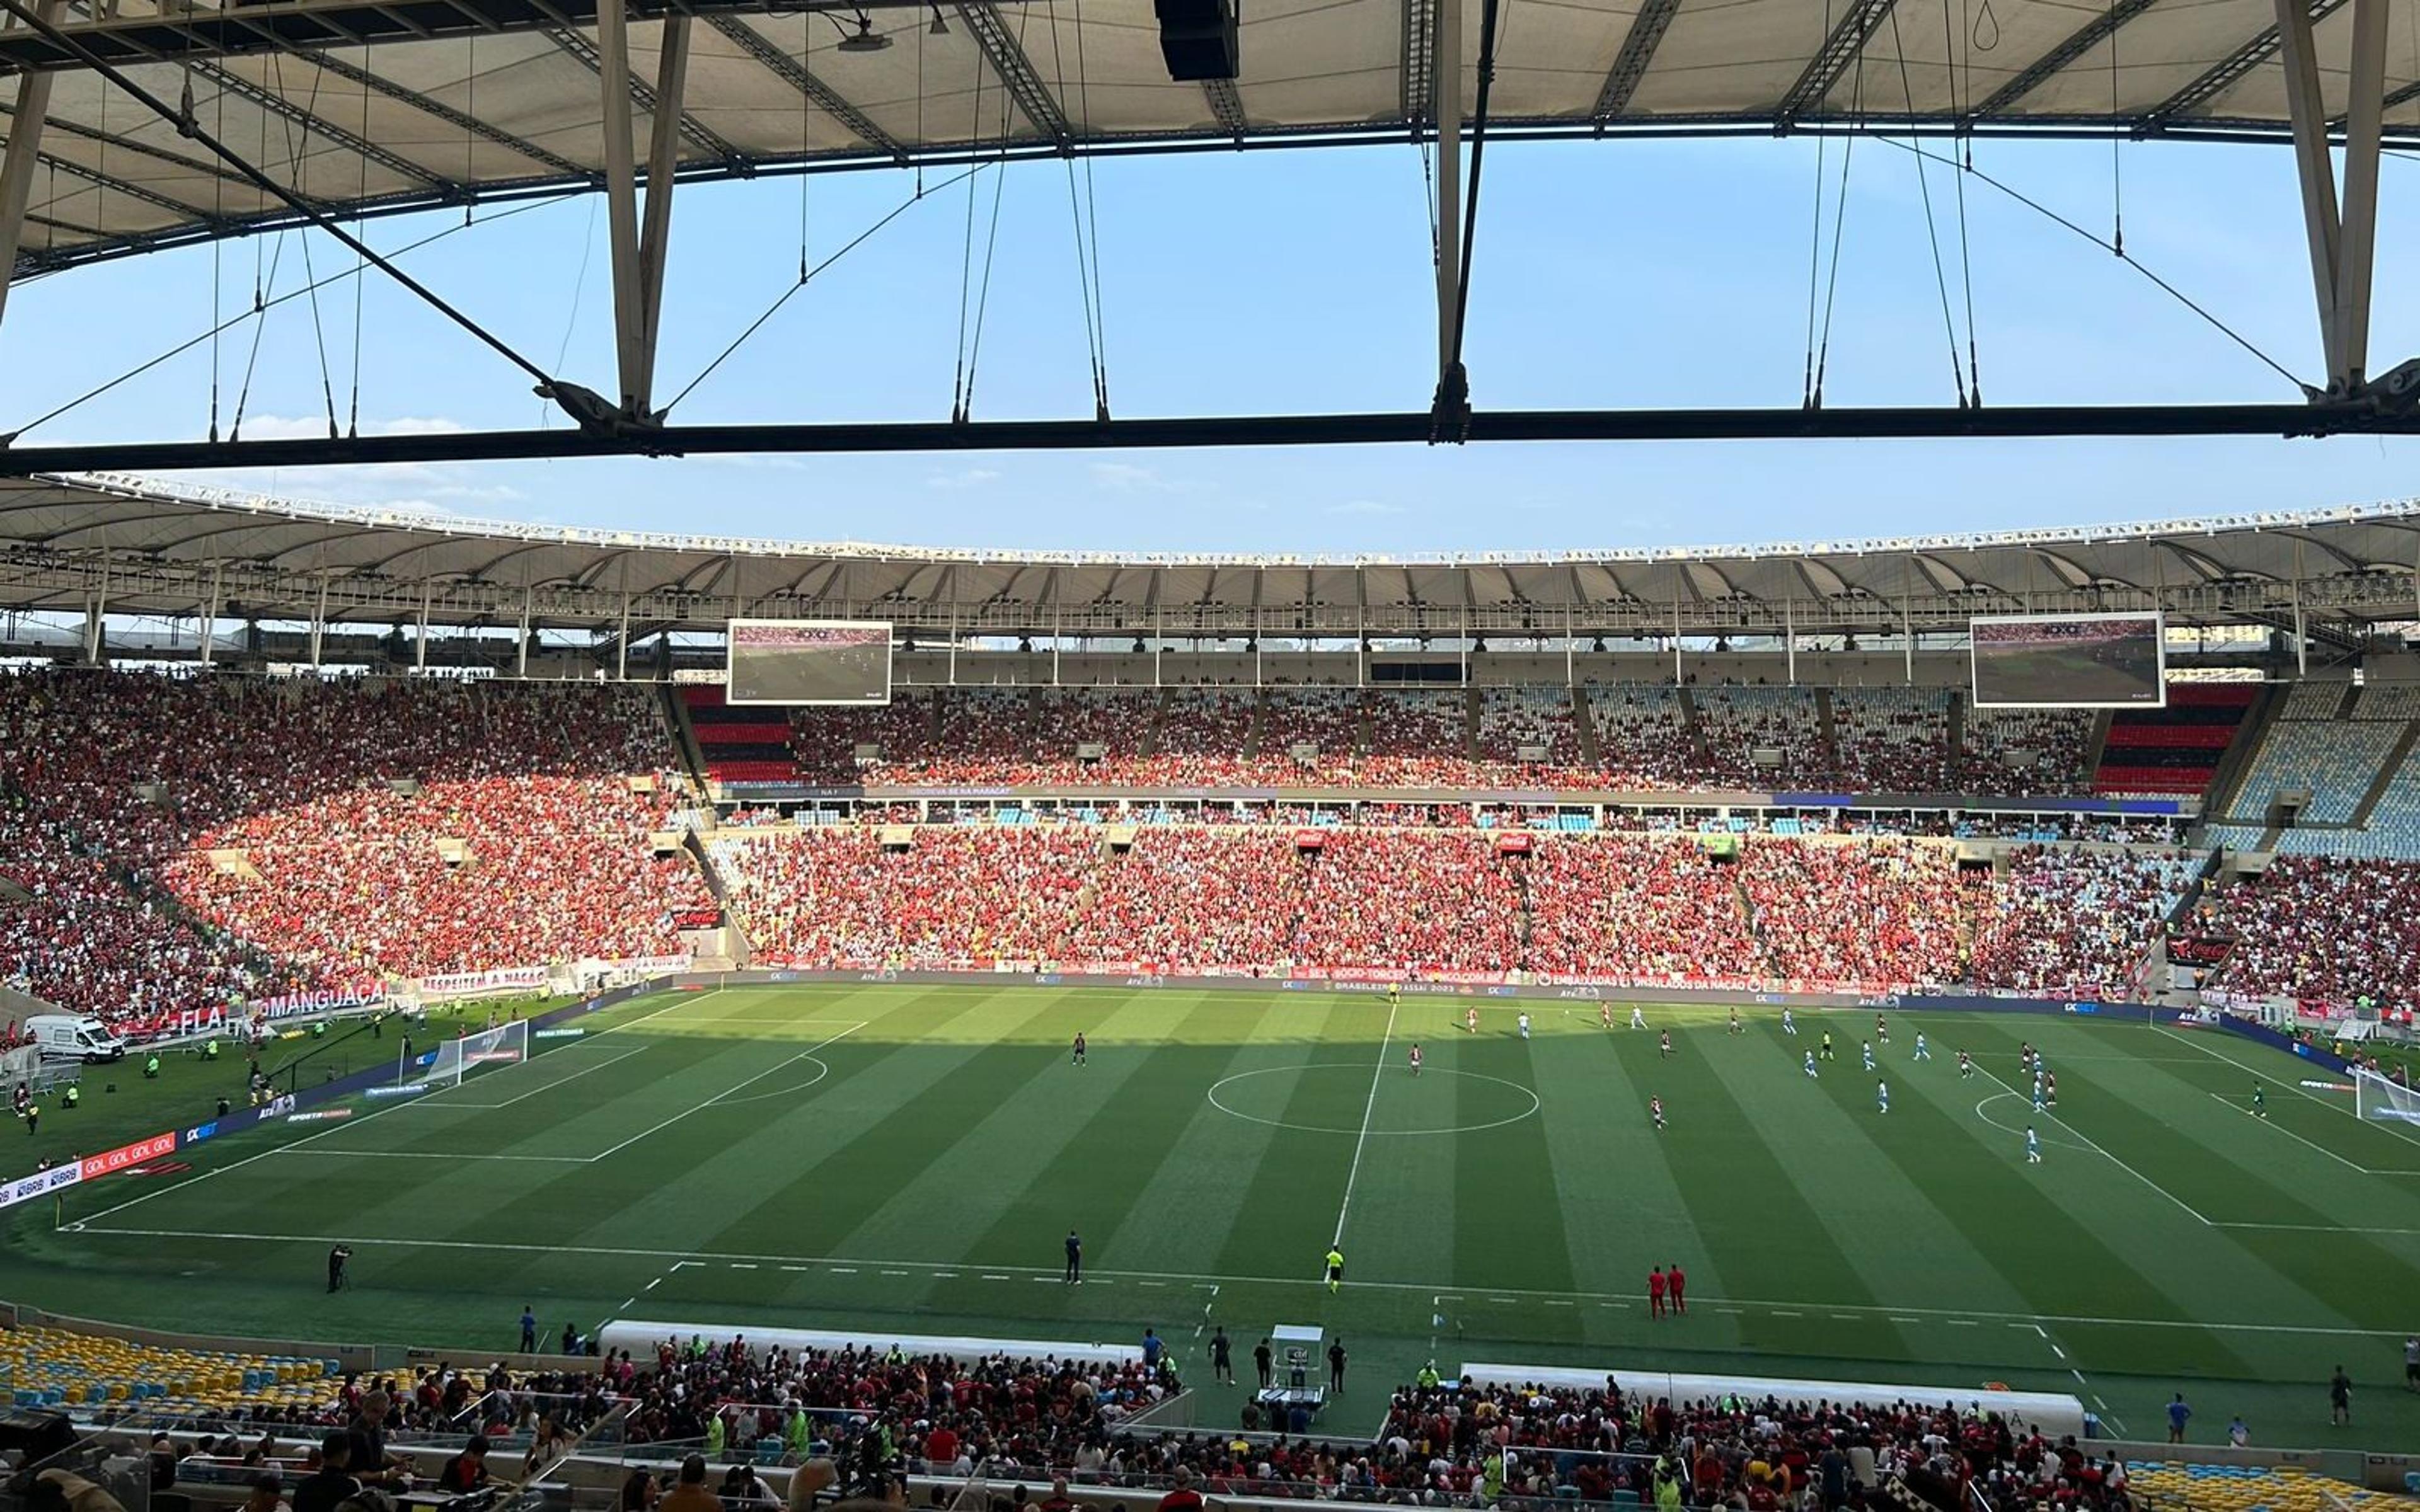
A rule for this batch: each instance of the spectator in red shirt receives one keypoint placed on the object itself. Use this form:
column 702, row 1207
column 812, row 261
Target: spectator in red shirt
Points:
column 1183, row 1498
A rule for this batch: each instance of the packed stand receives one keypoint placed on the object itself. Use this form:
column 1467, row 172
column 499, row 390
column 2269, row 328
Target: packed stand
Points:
column 825, row 740
column 324, row 785
column 1417, row 740
column 1892, row 739
column 1880, row 912
column 2323, row 931
column 1510, row 719
column 1203, row 735
column 2074, row 922
column 1325, row 718
column 839, row 897
column 1650, row 910
column 1185, row 898
column 1410, row 900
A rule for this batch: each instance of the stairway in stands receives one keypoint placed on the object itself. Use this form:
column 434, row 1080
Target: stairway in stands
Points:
column 748, row 744
column 2176, row 749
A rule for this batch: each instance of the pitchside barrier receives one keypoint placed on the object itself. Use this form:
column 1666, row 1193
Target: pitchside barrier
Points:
column 2051, row 1413
column 641, row 1338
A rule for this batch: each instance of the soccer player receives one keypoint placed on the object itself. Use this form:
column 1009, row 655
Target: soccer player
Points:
column 1824, row 1052
column 1655, row 1285
column 1077, row 1057
column 2259, row 1102
column 1655, row 1111
column 1470, row 1018
column 2026, row 1057
column 1966, row 1066
column 1664, row 1044
column 1075, row 1276
column 1678, row 1286
column 1882, row 1096
column 1416, row 1057
column 1335, row 1268
column 1524, row 1025
column 1921, row 1053
column 2033, row 1145
column 1810, row 1063
column 1789, row 1024
column 1603, row 1015
column 1866, row 1048
column 2039, row 1103
column 1881, row 1028
column 1735, row 1023
column 1638, row 1016
column 2050, row 1087
column 1394, row 995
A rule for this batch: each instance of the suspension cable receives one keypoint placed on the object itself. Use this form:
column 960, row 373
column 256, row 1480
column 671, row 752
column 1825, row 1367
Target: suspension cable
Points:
column 1931, row 229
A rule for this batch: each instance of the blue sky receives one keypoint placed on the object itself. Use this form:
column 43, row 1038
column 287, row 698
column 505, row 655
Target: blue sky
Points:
column 1613, row 273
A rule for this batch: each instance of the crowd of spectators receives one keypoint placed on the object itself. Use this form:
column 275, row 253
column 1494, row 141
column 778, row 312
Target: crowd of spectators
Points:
column 2073, row 921
column 1892, row 739
column 327, row 798
column 1184, row 898
column 2321, row 931
column 1653, row 909
column 1397, row 899
column 1876, row 911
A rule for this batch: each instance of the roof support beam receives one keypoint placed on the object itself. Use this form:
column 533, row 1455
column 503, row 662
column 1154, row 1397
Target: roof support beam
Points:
column 439, row 110
column 2342, row 240
column 639, row 250
column 1638, row 46
column 2226, row 70
column 1447, row 79
column 1419, row 57
column 579, row 46
column 990, row 31
column 285, row 109
column 1226, row 106
column 17, row 164
column 821, row 95
column 2082, row 41
column 1840, row 49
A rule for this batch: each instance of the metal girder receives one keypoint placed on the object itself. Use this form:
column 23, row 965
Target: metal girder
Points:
column 1015, row 69
column 821, row 95
column 441, row 111
column 1840, row 49
column 2080, row 41
column 663, row 156
column 1419, row 104
column 2402, row 96
column 133, row 147
column 1226, row 106
column 23, row 155
column 278, row 105
column 1790, row 422
column 2228, row 70
column 132, row 190
column 1638, row 46
column 643, row 97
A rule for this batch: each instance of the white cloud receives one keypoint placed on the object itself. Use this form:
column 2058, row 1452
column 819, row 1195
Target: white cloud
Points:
column 315, row 428
column 970, row 478
column 1364, row 506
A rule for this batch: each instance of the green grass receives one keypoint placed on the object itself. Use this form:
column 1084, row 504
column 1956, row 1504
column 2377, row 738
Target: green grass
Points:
column 907, row 1159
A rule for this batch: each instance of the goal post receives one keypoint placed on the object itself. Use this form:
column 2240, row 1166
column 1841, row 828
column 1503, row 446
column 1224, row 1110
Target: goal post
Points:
column 2378, row 1099
column 506, row 1044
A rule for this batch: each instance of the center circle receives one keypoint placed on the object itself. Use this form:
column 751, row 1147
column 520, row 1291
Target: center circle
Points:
column 2049, row 1138
column 1337, row 1097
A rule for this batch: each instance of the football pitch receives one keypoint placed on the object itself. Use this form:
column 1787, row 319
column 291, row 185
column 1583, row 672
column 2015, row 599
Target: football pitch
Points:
column 910, row 1159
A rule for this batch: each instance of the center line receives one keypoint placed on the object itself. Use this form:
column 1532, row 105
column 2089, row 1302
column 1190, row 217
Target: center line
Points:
column 1368, row 1107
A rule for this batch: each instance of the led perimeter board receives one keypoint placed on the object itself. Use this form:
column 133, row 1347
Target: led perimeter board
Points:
column 2070, row 661
column 809, row 661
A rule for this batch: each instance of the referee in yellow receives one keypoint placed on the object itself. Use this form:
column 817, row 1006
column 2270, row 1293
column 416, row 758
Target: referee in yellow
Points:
column 1335, row 1268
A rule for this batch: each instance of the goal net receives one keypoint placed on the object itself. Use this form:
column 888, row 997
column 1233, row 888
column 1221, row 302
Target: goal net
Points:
column 505, row 1045
column 2382, row 1101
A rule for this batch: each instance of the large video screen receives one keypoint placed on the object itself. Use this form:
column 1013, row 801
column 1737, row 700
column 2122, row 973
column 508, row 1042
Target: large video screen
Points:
column 809, row 661
column 2070, row 661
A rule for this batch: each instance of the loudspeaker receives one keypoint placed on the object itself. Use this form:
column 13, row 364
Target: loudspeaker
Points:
column 1197, row 39
column 35, row 1434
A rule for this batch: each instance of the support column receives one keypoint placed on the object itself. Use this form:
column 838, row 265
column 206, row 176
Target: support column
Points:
column 638, row 253
column 319, row 621
column 622, row 641
column 211, row 618
column 24, row 154
column 420, row 642
column 529, row 599
column 1447, row 78
column 2342, row 245
column 1789, row 637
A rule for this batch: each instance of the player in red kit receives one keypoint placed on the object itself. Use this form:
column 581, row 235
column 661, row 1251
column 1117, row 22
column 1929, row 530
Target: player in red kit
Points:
column 1679, row 1285
column 1655, row 1284
column 1415, row 1059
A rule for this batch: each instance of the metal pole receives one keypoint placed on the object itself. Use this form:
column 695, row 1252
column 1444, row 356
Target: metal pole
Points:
column 622, row 642
column 1448, row 80
column 2357, row 240
column 529, row 598
column 420, row 652
column 23, row 155
column 2307, row 108
column 211, row 618
column 663, row 156
column 1790, row 636
column 622, row 201
column 319, row 621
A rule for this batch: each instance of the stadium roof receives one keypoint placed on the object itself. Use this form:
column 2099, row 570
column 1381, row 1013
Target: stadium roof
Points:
column 136, row 547
column 390, row 105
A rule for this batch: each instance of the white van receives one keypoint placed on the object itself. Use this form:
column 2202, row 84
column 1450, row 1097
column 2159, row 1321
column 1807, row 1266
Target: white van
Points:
column 68, row 1037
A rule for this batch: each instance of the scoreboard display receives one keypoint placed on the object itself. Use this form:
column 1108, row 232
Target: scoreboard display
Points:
column 809, row 662
column 2070, row 661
